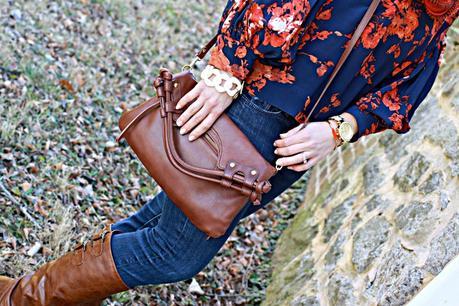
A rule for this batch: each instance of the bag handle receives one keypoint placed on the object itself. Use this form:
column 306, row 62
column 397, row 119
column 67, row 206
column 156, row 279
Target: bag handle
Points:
column 249, row 186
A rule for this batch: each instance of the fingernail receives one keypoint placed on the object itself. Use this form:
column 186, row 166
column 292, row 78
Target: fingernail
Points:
column 191, row 138
column 179, row 122
column 182, row 131
column 177, row 106
column 275, row 144
column 275, row 151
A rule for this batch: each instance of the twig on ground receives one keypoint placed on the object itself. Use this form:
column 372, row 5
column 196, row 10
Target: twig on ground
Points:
column 247, row 270
column 21, row 207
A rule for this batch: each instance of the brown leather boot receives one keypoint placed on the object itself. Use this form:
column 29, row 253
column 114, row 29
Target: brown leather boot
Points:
column 85, row 276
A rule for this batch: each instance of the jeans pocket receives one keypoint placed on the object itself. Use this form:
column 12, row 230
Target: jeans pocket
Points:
column 260, row 105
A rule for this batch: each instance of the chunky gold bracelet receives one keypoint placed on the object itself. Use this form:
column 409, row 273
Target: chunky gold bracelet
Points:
column 222, row 81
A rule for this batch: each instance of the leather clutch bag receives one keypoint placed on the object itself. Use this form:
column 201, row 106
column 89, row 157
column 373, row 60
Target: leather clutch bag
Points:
column 211, row 178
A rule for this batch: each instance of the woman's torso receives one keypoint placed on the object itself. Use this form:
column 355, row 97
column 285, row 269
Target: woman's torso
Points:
column 400, row 35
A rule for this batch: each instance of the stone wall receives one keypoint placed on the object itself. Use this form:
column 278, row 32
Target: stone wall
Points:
column 381, row 218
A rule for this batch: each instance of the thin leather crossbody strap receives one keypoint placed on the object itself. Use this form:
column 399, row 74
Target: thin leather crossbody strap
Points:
column 358, row 32
column 350, row 45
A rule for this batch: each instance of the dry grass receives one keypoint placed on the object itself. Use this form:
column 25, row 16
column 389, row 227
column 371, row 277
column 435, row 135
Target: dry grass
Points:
column 66, row 70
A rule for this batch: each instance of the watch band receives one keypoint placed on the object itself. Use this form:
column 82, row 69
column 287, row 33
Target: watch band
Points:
column 339, row 120
column 335, row 132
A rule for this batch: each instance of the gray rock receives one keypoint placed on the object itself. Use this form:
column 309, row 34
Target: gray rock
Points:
column 376, row 201
column 443, row 132
column 306, row 267
column 335, row 252
column 444, row 200
column 454, row 166
column 434, row 182
column 372, row 178
column 397, row 279
column 368, row 242
column 305, row 301
column 340, row 291
column 410, row 171
column 393, row 145
column 414, row 219
column 444, row 247
column 355, row 221
column 336, row 217
column 344, row 183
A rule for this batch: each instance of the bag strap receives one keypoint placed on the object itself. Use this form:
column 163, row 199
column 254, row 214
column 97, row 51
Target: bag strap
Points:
column 358, row 32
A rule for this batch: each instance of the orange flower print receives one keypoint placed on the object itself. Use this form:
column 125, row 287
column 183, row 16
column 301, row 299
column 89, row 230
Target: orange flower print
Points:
column 241, row 51
column 368, row 68
column 398, row 122
column 294, row 45
column 391, row 99
column 371, row 35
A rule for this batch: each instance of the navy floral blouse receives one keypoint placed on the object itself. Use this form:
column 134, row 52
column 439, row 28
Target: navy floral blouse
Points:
column 286, row 50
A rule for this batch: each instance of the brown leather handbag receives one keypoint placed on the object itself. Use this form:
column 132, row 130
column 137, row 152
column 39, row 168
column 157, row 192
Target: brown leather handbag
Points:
column 211, row 178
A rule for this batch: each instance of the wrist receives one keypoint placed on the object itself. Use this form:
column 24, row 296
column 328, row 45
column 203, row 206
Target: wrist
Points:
column 222, row 81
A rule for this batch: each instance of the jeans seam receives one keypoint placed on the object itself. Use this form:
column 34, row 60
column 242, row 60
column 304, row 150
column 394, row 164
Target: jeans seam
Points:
column 143, row 258
column 151, row 219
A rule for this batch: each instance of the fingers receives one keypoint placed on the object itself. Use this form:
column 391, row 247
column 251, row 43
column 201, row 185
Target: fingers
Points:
column 290, row 140
column 189, row 96
column 203, row 126
column 294, row 159
column 303, row 167
column 293, row 149
column 195, row 120
column 190, row 111
column 291, row 131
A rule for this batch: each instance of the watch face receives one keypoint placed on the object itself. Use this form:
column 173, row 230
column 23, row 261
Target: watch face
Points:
column 345, row 131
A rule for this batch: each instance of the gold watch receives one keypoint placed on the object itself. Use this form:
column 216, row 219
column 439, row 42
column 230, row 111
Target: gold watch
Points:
column 345, row 131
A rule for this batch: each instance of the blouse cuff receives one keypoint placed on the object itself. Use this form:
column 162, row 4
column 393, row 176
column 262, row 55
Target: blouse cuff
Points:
column 366, row 122
column 236, row 60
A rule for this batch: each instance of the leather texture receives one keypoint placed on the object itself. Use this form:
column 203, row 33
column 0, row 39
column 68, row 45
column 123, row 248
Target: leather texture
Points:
column 84, row 276
column 211, row 178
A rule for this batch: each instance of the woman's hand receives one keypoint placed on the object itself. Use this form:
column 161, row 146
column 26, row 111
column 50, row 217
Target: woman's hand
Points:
column 203, row 112
column 315, row 141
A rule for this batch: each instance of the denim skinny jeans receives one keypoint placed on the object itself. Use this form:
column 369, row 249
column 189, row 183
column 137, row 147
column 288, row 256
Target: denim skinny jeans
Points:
column 158, row 244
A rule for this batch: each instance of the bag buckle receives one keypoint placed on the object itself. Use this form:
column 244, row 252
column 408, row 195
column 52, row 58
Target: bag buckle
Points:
column 190, row 65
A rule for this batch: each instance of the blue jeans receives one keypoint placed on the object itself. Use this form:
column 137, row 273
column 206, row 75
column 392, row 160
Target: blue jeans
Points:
column 159, row 244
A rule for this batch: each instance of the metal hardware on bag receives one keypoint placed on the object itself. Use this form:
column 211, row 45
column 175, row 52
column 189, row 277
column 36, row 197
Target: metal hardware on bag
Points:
column 190, row 65
column 232, row 165
column 253, row 172
column 279, row 167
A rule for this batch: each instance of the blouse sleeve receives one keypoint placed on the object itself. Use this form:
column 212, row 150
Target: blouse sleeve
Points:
column 392, row 105
column 265, row 29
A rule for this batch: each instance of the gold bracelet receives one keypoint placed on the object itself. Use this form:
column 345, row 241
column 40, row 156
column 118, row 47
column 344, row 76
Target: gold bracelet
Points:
column 214, row 77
